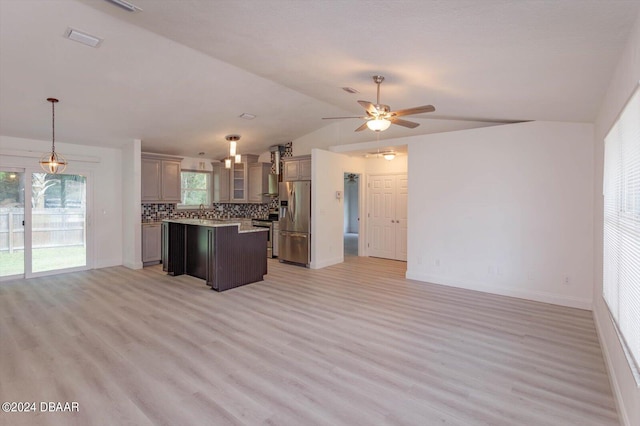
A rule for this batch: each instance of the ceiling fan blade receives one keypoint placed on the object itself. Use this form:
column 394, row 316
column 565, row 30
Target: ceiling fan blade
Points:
column 361, row 128
column 403, row 123
column 371, row 108
column 412, row 111
column 338, row 118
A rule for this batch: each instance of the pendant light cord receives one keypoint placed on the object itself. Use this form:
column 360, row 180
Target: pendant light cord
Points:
column 53, row 127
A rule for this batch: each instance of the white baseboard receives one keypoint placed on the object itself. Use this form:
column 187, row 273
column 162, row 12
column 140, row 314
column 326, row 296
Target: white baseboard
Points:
column 133, row 265
column 106, row 263
column 326, row 262
column 622, row 412
column 554, row 299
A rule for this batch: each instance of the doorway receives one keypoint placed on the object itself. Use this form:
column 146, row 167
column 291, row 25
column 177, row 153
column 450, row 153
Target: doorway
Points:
column 351, row 213
column 43, row 223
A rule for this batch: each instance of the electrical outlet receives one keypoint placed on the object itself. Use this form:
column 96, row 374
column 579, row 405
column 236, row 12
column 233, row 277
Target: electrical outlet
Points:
column 566, row 280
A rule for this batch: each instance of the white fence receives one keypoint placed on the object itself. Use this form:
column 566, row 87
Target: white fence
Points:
column 51, row 228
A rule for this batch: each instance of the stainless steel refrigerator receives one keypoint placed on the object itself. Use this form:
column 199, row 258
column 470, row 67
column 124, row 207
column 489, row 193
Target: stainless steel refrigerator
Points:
column 294, row 237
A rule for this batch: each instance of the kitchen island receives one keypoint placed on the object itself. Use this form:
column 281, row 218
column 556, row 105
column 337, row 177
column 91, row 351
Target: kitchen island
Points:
column 224, row 253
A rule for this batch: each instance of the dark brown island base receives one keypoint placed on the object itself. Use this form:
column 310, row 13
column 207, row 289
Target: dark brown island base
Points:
column 223, row 253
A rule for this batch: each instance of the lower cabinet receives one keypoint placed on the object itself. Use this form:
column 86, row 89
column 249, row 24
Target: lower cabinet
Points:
column 151, row 243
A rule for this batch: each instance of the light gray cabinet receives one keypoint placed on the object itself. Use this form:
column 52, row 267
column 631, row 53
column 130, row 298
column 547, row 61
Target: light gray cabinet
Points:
column 259, row 182
column 151, row 243
column 296, row 168
column 160, row 177
column 220, row 183
column 239, row 179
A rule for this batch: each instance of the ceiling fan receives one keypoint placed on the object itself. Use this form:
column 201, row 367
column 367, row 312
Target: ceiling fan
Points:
column 379, row 116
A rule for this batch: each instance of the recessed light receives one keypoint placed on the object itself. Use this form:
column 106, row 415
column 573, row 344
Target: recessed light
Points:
column 201, row 153
column 350, row 90
column 247, row 116
column 125, row 5
column 84, row 38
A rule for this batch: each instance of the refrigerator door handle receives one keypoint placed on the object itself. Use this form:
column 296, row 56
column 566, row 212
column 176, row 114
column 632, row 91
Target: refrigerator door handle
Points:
column 293, row 213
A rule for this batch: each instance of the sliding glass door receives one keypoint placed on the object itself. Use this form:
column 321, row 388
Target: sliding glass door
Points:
column 43, row 223
column 58, row 222
column 12, row 237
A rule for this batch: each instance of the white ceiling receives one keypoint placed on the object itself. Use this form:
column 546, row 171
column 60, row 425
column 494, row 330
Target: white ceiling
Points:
column 178, row 74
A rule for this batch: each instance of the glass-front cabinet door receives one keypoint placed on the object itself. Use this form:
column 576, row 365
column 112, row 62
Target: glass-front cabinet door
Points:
column 239, row 182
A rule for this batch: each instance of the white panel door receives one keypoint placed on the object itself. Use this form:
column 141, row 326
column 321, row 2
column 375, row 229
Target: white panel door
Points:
column 388, row 216
column 382, row 216
column 401, row 216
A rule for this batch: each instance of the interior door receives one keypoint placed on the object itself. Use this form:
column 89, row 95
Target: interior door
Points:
column 382, row 213
column 387, row 235
column 402, row 194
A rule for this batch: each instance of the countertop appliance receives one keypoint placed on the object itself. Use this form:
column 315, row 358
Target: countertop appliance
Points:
column 294, row 237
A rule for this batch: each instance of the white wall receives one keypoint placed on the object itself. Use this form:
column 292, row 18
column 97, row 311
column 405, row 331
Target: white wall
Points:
column 322, row 138
column 623, row 83
column 505, row 209
column 195, row 163
column 382, row 166
column 327, row 212
column 105, row 168
column 131, row 210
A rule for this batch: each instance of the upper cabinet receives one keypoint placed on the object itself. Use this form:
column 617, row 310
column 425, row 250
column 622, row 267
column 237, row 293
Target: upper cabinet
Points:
column 259, row 182
column 220, row 183
column 245, row 182
column 240, row 179
column 160, row 178
column 296, row 168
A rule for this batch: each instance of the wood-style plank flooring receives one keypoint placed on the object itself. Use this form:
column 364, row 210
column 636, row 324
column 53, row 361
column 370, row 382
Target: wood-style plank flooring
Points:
column 352, row 344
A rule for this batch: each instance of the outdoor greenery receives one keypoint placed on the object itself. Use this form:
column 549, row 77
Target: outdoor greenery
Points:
column 10, row 193
column 44, row 259
column 195, row 188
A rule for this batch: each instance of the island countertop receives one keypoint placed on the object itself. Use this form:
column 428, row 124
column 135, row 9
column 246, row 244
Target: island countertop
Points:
column 215, row 223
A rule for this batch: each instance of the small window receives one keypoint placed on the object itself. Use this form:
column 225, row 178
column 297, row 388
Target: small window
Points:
column 196, row 189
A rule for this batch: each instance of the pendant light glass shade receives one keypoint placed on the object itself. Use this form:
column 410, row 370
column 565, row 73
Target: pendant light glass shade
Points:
column 378, row 124
column 227, row 163
column 238, row 158
column 53, row 162
column 232, row 148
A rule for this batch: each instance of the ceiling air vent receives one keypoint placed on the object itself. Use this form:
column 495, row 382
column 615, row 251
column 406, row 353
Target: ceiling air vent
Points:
column 125, row 5
column 83, row 38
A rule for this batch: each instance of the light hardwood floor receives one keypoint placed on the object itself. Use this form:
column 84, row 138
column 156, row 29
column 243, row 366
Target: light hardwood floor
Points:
column 352, row 344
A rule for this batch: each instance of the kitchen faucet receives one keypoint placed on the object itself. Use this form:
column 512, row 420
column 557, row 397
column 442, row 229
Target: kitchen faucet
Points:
column 201, row 210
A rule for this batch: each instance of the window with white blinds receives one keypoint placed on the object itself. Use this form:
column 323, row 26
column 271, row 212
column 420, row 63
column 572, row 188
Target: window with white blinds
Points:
column 621, row 262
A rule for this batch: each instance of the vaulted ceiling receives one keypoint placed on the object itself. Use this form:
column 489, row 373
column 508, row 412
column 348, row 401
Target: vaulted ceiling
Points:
column 179, row 73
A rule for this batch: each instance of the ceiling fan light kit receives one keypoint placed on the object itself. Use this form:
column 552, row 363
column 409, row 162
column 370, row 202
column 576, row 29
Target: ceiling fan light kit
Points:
column 378, row 124
column 389, row 156
column 52, row 162
column 379, row 116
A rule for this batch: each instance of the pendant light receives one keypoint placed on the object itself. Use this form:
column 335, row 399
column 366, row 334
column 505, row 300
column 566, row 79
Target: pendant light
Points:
column 53, row 162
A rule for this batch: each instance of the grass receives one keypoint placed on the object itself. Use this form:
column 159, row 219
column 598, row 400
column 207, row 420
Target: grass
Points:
column 44, row 259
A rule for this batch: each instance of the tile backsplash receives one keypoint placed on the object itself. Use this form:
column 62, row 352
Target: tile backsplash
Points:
column 158, row 212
